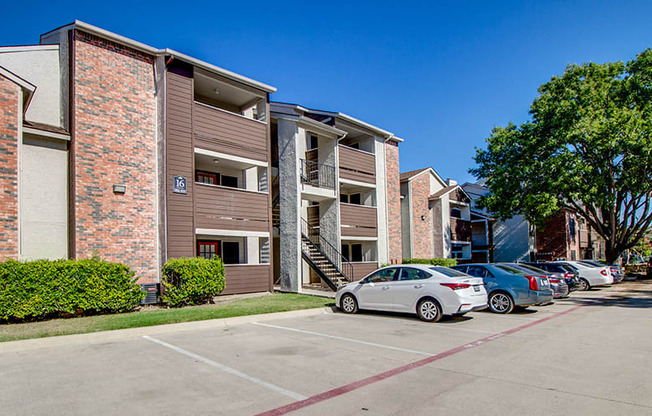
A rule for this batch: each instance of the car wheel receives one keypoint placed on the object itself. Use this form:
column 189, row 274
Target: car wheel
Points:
column 348, row 304
column 429, row 310
column 584, row 284
column 500, row 302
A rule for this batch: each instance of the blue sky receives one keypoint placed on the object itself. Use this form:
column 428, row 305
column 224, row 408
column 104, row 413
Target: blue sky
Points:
column 440, row 74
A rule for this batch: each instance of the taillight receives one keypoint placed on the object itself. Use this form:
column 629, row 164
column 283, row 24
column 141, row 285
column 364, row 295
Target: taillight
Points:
column 534, row 284
column 569, row 275
column 456, row 286
column 603, row 272
column 553, row 280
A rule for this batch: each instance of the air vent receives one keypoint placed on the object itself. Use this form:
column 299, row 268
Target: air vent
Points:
column 151, row 293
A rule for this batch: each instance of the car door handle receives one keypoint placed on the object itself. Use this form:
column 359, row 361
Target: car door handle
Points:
column 418, row 286
column 385, row 287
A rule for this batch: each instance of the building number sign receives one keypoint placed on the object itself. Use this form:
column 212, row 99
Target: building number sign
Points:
column 180, row 185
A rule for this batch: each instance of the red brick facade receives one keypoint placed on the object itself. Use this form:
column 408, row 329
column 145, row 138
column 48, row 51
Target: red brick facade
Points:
column 559, row 238
column 9, row 119
column 421, row 229
column 395, row 251
column 114, row 142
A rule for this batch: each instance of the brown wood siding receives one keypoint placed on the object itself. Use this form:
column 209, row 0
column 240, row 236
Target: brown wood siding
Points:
column 460, row 230
column 220, row 131
column 247, row 278
column 220, row 207
column 180, row 159
column 360, row 220
column 357, row 165
column 360, row 270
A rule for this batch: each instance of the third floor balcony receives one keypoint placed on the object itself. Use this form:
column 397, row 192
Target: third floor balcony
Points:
column 357, row 165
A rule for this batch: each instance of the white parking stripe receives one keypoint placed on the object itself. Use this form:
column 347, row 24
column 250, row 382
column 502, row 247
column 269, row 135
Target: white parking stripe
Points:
column 417, row 323
column 227, row 369
column 371, row 344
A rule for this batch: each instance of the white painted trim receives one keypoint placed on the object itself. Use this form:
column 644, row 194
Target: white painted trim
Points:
column 85, row 27
column 232, row 158
column 230, row 233
column 44, row 133
column 19, row 175
column 358, row 183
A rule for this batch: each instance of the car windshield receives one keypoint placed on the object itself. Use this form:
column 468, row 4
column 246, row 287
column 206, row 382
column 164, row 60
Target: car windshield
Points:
column 568, row 268
column 448, row 272
column 510, row 269
column 589, row 263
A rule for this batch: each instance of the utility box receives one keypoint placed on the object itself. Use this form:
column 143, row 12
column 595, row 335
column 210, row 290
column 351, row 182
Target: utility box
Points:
column 152, row 291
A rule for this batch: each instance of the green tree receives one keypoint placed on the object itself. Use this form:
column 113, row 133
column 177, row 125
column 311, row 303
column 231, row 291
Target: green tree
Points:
column 587, row 147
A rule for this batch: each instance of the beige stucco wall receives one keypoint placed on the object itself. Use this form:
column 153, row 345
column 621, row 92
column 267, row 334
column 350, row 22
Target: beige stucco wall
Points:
column 44, row 199
column 39, row 65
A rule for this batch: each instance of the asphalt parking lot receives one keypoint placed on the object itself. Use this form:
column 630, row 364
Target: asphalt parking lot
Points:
column 590, row 354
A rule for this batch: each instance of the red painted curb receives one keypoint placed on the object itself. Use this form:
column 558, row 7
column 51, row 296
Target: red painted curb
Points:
column 387, row 374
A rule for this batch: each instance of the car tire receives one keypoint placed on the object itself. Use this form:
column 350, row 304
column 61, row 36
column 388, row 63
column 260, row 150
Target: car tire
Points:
column 584, row 285
column 348, row 304
column 501, row 302
column 429, row 310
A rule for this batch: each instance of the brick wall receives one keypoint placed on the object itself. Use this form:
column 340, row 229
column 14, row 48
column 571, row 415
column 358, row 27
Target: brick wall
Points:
column 393, row 202
column 421, row 229
column 9, row 119
column 114, row 142
column 552, row 238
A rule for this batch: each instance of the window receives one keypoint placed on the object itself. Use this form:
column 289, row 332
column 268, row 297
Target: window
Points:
column 477, row 271
column 231, row 252
column 351, row 199
column 312, row 142
column 206, row 177
column 230, row 181
column 208, row 249
column 448, row 272
column 408, row 273
column 456, row 213
column 352, row 252
column 355, row 145
column 384, row 275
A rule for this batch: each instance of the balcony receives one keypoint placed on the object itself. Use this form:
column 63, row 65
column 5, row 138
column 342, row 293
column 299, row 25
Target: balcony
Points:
column 358, row 220
column 224, row 208
column 357, row 165
column 460, row 230
column 225, row 132
column 363, row 268
column 315, row 174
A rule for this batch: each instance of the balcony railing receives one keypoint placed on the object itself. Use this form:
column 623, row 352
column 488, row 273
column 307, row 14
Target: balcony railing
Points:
column 460, row 229
column 357, row 165
column 220, row 207
column 358, row 220
column 319, row 175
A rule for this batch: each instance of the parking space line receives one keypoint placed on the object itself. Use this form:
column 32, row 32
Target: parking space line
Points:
column 356, row 341
column 226, row 369
column 417, row 323
column 399, row 370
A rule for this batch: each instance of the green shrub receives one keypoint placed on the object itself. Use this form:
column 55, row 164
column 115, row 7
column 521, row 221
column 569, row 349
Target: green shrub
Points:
column 42, row 289
column 434, row 262
column 191, row 281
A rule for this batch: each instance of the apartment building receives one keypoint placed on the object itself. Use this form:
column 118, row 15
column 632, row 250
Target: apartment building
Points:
column 336, row 197
column 116, row 149
column 567, row 235
column 512, row 240
column 436, row 217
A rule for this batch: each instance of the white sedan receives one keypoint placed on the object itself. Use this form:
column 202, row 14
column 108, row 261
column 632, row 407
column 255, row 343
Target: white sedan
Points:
column 429, row 291
column 591, row 276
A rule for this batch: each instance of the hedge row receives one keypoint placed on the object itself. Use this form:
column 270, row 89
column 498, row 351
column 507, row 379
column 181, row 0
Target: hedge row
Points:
column 50, row 288
column 191, row 281
column 435, row 262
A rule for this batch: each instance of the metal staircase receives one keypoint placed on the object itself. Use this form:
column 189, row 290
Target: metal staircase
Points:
column 329, row 264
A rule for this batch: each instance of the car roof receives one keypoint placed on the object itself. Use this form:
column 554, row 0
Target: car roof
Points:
column 415, row 266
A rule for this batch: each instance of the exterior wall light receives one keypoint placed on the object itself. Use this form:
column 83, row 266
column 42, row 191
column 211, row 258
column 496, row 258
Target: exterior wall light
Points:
column 119, row 189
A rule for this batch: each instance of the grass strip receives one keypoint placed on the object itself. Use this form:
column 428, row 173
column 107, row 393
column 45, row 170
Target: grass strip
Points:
column 276, row 302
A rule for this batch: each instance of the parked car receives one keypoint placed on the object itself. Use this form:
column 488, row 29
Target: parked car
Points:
column 428, row 291
column 590, row 276
column 616, row 271
column 557, row 281
column 508, row 287
column 561, row 270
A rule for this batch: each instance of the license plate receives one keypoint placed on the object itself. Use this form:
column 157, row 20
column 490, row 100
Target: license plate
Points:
column 476, row 288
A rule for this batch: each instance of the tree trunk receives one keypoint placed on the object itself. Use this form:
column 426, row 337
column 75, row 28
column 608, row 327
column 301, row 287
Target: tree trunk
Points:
column 611, row 251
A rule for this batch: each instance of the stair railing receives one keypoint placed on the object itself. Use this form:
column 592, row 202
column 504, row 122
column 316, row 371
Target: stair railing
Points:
column 341, row 263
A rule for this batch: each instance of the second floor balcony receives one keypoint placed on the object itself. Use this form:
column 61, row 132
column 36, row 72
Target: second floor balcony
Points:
column 460, row 230
column 318, row 175
column 226, row 208
column 358, row 220
column 357, row 165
